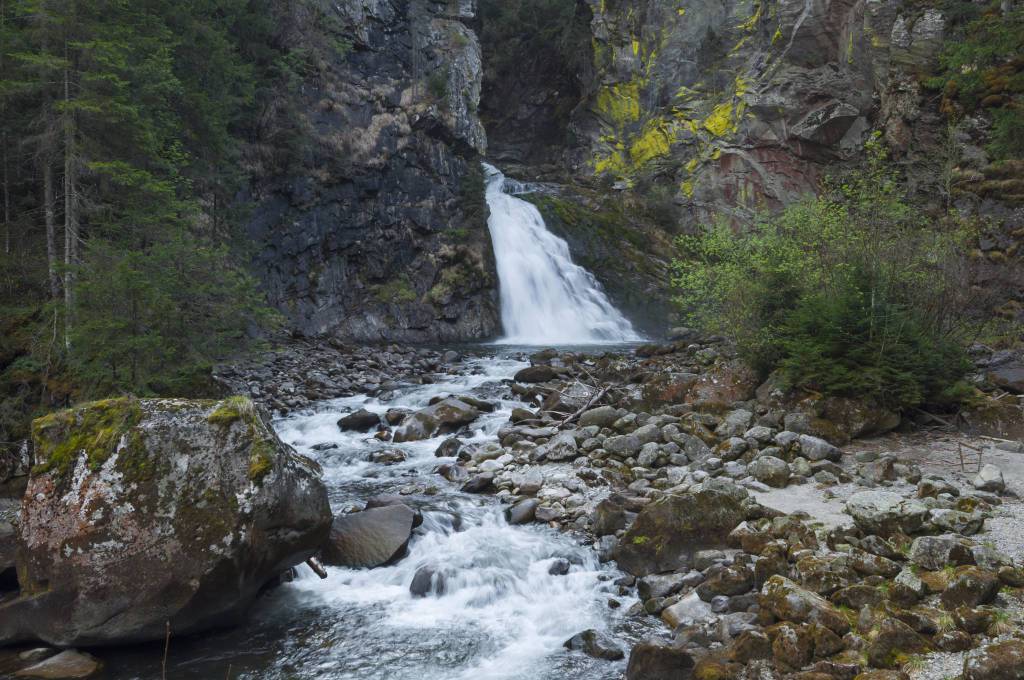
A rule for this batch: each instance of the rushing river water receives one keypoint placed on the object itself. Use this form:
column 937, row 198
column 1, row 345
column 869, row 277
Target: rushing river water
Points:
column 502, row 615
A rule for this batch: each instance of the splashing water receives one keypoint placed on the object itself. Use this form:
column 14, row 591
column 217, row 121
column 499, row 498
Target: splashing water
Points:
column 545, row 297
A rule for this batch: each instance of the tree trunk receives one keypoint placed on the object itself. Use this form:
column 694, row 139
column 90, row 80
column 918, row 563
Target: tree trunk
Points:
column 51, row 227
column 70, row 209
column 7, row 199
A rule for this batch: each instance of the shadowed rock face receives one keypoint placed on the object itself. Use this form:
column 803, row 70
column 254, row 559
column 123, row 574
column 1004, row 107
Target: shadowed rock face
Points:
column 142, row 512
column 379, row 230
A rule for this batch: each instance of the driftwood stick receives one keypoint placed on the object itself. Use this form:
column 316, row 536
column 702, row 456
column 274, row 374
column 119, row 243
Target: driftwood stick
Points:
column 593, row 400
column 314, row 564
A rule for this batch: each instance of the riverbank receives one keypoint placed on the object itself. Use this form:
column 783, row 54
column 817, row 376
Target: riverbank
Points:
column 549, row 473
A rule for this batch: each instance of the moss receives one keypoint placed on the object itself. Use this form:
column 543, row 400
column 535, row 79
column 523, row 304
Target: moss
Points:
column 95, row 428
column 241, row 409
column 230, row 410
column 640, row 540
column 261, row 460
column 396, row 291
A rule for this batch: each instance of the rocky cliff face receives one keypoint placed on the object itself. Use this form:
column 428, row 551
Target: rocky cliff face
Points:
column 735, row 105
column 379, row 230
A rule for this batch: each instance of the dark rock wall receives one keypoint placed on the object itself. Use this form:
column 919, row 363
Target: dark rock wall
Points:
column 379, row 231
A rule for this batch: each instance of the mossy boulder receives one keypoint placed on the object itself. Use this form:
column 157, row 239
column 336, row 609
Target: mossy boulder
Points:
column 144, row 512
column 789, row 602
column 999, row 661
column 668, row 531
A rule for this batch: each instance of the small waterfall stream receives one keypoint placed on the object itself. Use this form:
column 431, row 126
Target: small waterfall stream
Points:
column 545, row 297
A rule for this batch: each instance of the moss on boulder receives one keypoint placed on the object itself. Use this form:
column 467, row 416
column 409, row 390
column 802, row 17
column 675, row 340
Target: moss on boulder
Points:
column 144, row 511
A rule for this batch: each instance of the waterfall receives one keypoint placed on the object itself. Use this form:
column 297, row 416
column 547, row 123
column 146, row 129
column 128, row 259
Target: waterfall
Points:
column 545, row 297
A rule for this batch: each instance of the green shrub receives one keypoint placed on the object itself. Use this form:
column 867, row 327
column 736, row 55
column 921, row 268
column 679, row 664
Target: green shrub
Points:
column 852, row 293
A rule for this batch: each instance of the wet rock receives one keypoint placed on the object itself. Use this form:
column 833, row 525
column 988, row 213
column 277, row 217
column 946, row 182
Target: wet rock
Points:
column 536, row 374
column 427, row 581
column 370, row 538
column 128, row 482
column 609, row 515
column 387, row 457
column 659, row 660
column 667, row 532
column 449, row 448
column 886, row 513
column 361, row 421
column 559, row 567
column 523, row 512
column 990, row 478
column 660, row 585
column 452, row 472
column 999, row 661
column 69, row 663
column 444, row 417
column 479, row 483
column 596, row 644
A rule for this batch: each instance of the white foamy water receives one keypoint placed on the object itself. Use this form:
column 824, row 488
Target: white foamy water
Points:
column 545, row 297
column 494, row 611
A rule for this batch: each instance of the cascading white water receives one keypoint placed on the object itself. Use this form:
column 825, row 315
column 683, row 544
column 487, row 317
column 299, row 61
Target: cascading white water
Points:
column 545, row 297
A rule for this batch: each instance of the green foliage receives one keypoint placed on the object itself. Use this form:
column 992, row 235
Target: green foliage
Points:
column 159, row 108
column 982, row 66
column 437, row 84
column 852, row 293
column 396, row 291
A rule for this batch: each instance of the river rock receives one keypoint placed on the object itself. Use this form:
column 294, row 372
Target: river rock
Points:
column 360, row 420
column 561, row 447
column 449, row 448
column 523, row 512
column 970, row 587
column 69, row 663
column 535, row 374
column 990, row 478
column 999, row 661
column 789, row 602
column 602, row 416
column 667, row 532
column 427, row 581
column 770, row 470
column 479, row 483
column 444, row 417
column 609, row 515
column 659, row 660
column 596, row 644
column 370, row 538
column 815, row 449
column 132, row 500
column 885, row 513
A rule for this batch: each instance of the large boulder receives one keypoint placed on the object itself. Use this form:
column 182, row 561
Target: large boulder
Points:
column 360, row 420
column 144, row 512
column 535, row 374
column 444, row 417
column 659, row 660
column 885, row 513
column 668, row 531
column 370, row 538
column 789, row 602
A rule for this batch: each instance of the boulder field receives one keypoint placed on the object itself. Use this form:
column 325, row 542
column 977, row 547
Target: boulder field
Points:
column 144, row 513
